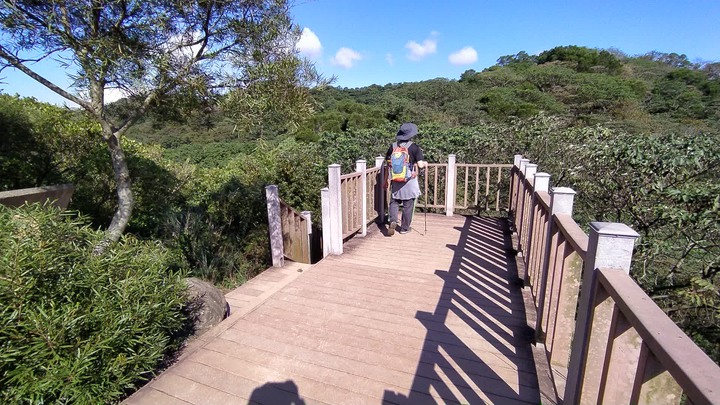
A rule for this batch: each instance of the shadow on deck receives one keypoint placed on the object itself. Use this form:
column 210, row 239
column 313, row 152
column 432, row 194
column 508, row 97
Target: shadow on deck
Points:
column 480, row 288
column 421, row 318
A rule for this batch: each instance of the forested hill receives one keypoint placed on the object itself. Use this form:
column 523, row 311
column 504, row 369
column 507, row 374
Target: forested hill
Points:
column 639, row 94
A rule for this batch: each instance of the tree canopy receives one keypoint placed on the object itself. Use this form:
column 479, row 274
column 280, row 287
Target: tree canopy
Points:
column 150, row 50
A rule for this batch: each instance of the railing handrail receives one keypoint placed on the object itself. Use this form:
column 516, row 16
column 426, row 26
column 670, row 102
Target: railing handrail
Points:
column 556, row 255
column 572, row 232
column 295, row 212
column 57, row 195
column 664, row 338
column 351, row 175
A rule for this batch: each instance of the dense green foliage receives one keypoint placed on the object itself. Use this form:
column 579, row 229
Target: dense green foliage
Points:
column 666, row 188
column 76, row 328
column 41, row 143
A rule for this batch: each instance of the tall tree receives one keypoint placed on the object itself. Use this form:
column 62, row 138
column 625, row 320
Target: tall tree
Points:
column 148, row 50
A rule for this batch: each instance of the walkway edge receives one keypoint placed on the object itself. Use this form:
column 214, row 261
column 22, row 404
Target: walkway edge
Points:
column 235, row 316
column 542, row 366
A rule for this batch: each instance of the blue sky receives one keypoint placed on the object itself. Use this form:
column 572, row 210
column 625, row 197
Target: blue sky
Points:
column 384, row 41
column 364, row 42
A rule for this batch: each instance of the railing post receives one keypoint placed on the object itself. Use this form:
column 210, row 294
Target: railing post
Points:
column 326, row 221
column 272, row 199
column 514, row 177
column 529, row 172
column 308, row 220
column 335, row 206
column 520, row 208
column 533, row 259
column 610, row 245
column 523, row 163
column 361, row 167
column 542, row 182
column 561, row 202
column 450, row 186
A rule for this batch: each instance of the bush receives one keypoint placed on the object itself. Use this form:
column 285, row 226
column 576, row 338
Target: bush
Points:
column 42, row 144
column 74, row 327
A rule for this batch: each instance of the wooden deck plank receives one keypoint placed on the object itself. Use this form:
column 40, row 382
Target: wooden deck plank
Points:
column 424, row 317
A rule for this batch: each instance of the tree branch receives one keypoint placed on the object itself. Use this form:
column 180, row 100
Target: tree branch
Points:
column 684, row 307
column 16, row 63
column 668, row 288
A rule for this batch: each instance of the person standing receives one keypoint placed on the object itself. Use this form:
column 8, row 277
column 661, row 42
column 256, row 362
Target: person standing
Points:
column 405, row 159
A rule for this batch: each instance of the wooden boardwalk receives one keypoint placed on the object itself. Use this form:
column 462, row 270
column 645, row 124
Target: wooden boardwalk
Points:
column 412, row 319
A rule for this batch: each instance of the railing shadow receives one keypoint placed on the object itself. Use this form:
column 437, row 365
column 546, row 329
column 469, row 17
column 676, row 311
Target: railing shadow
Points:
column 479, row 291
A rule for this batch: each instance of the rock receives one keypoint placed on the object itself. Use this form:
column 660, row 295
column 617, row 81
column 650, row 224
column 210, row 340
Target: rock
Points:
column 207, row 305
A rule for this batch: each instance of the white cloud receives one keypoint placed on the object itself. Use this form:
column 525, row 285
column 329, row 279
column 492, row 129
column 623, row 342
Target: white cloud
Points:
column 419, row 51
column 390, row 59
column 346, row 57
column 465, row 56
column 309, row 44
column 113, row 94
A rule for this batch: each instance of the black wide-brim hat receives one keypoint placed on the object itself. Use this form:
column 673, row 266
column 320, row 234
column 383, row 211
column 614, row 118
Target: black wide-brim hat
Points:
column 407, row 131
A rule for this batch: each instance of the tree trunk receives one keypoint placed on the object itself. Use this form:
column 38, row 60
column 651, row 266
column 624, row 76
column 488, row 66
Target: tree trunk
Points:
column 124, row 193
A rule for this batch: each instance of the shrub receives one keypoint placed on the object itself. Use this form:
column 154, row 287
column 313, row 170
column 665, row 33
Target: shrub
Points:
column 42, row 144
column 74, row 327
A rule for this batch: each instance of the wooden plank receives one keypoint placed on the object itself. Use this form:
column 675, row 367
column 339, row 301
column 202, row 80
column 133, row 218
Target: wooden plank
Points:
column 445, row 326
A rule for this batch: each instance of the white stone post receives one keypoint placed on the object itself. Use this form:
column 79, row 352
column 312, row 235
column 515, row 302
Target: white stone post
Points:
column 361, row 167
column 450, row 186
column 530, row 170
column 308, row 218
column 335, row 197
column 272, row 199
column 326, row 220
column 542, row 182
column 379, row 161
column 523, row 162
column 610, row 245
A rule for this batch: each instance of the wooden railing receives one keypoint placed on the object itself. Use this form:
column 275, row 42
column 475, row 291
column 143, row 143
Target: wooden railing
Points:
column 353, row 200
column 58, row 196
column 488, row 175
column 434, row 180
column 356, row 204
column 481, row 187
column 296, row 231
column 603, row 337
column 290, row 230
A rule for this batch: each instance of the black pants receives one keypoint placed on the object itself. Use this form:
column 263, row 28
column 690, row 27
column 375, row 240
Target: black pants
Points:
column 407, row 212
